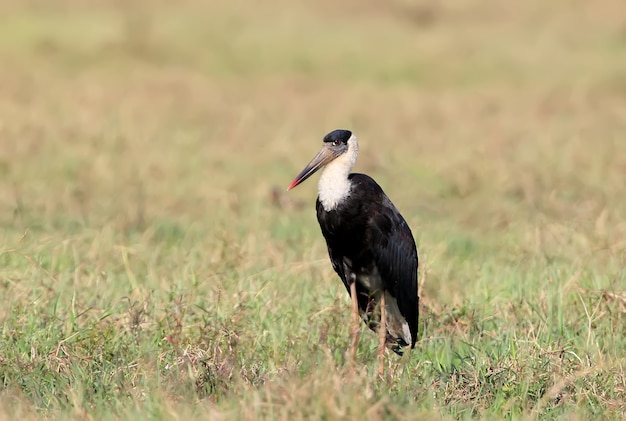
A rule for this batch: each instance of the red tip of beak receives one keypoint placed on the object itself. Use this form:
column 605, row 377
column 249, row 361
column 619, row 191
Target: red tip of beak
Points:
column 293, row 184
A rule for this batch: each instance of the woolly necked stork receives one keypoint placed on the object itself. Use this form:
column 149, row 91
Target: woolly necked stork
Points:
column 371, row 246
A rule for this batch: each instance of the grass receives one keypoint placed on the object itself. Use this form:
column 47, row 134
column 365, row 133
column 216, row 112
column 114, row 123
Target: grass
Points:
column 153, row 266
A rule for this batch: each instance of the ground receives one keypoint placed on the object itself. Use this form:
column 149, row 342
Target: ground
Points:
column 152, row 264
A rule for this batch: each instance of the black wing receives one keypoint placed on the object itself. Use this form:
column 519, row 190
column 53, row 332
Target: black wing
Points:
column 396, row 259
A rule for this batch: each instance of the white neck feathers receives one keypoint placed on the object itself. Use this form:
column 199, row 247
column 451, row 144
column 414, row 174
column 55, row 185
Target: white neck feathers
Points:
column 334, row 186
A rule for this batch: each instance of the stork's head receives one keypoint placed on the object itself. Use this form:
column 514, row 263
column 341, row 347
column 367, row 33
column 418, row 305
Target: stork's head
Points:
column 339, row 151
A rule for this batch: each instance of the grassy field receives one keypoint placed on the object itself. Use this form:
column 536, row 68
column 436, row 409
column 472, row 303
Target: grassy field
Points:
column 152, row 264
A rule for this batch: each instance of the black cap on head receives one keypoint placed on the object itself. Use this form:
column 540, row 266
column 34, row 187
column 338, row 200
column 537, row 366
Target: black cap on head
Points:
column 340, row 135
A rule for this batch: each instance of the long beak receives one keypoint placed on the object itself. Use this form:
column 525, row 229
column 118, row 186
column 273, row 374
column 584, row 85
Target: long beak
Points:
column 322, row 158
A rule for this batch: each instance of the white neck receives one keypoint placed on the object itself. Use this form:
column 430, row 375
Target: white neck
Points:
column 334, row 185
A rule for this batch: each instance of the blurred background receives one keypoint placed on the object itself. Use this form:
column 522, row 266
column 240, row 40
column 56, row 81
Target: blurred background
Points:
column 486, row 115
column 145, row 152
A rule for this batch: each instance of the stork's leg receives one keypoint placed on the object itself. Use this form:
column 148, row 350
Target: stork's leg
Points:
column 355, row 322
column 382, row 335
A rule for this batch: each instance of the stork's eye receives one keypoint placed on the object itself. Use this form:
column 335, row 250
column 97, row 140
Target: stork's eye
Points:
column 336, row 142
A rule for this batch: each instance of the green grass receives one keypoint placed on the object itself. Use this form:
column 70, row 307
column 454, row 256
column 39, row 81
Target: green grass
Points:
column 153, row 266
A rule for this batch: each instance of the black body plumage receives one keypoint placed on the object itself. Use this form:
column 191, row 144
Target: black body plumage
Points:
column 368, row 239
